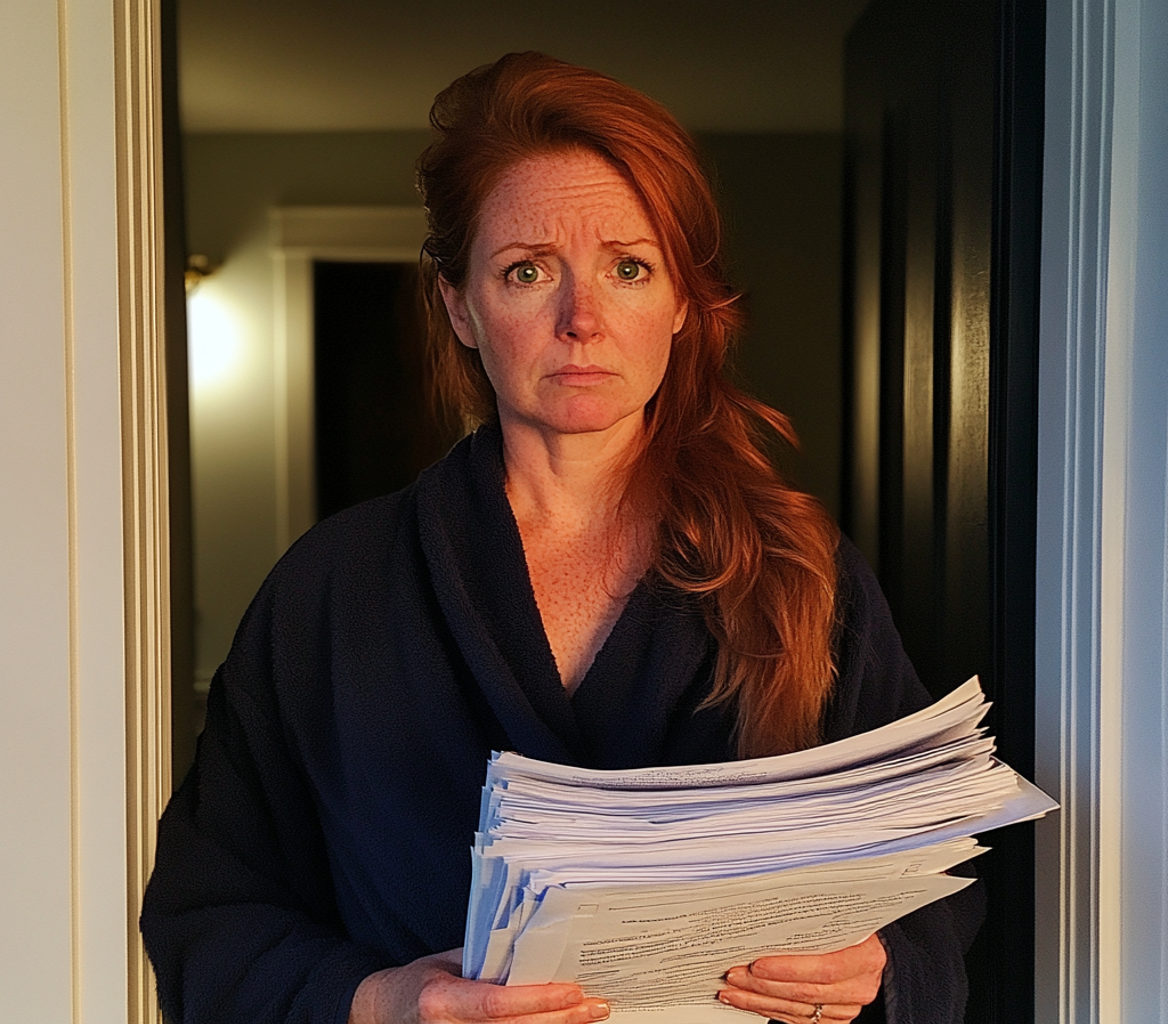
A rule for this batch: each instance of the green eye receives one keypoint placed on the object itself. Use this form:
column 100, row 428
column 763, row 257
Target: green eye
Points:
column 526, row 274
column 628, row 270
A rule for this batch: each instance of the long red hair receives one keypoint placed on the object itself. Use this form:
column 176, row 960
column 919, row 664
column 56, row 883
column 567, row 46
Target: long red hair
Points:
column 760, row 554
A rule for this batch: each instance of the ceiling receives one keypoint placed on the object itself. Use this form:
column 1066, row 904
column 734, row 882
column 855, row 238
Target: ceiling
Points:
column 313, row 65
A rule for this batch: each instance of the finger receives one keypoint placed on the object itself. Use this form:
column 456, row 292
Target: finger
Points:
column 788, row 1010
column 463, row 1000
column 864, row 958
column 860, row 990
column 857, row 990
column 847, row 976
column 588, row 1012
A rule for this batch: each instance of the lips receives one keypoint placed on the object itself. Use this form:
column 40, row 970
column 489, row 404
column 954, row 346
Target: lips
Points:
column 572, row 375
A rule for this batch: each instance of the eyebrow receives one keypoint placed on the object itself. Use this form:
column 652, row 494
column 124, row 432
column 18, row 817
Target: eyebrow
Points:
column 539, row 248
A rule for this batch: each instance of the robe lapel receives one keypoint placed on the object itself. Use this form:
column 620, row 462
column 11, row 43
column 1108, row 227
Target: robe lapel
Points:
column 475, row 556
column 637, row 702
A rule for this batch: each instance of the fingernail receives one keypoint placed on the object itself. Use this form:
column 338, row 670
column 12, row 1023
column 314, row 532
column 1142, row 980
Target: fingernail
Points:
column 599, row 1011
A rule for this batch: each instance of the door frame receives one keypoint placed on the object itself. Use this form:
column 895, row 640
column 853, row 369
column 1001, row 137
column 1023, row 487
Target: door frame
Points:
column 115, row 722
column 1085, row 561
column 84, row 600
column 1102, row 603
column 300, row 235
column 145, row 541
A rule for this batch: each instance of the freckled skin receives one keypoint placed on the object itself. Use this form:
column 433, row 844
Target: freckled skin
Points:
column 572, row 219
column 582, row 574
column 572, row 310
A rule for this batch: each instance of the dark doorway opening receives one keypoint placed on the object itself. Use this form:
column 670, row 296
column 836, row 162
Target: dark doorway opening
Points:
column 376, row 427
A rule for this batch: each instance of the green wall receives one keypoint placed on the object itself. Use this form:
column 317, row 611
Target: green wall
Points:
column 232, row 180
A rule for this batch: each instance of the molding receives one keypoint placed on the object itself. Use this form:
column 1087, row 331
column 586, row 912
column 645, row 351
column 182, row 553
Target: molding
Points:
column 1134, row 925
column 144, row 462
column 1074, row 859
column 76, row 937
column 377, row 234
column 299, row 235
column 1102, row 700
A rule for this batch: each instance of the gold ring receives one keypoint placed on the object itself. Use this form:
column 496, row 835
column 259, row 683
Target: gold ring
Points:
column 817, row 1013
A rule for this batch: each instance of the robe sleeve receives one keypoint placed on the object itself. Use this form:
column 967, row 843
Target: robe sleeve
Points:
column 239, row 918
column 924, row 979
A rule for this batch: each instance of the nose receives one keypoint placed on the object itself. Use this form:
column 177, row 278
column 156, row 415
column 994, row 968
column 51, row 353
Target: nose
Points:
column 579, row 313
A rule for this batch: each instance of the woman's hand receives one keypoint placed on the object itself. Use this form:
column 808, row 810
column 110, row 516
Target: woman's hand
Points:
column 791, row 988
column 432, row 991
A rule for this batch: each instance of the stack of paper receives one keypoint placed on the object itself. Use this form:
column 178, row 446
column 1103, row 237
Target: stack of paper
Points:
column 644, row 886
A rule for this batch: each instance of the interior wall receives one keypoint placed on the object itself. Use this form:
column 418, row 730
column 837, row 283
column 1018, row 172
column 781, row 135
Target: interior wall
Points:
column 232, row 181
column 781, row 194
column 36, row 869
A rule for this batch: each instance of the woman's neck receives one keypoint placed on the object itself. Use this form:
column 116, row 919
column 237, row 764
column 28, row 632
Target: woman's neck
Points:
column 567, row 480
column 585, row 547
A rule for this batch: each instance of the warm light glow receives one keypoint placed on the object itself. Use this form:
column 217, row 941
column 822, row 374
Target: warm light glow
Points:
column 213, row 338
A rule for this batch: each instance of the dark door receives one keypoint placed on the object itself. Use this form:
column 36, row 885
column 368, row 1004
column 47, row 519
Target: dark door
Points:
column 376, row 426
column 943, row 176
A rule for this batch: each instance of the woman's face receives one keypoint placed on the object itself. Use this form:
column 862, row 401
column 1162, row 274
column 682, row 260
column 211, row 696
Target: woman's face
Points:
column 567, row 297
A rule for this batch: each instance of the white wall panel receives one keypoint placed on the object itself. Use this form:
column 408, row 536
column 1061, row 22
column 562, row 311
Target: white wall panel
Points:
column 35, row 738
column 65, row 926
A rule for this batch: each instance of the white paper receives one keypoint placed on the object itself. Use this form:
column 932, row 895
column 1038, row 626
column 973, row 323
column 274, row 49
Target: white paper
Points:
column 636, row 929
column 645, row 886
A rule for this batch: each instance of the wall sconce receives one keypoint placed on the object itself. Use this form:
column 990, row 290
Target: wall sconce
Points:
column 198, row 268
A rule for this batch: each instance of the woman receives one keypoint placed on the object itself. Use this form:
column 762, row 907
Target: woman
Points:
column 608, row 572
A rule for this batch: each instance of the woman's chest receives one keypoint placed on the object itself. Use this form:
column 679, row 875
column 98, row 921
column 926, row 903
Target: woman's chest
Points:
column 580, row 593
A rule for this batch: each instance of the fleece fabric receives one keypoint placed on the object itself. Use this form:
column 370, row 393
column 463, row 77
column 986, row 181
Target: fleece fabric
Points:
column 324, row 830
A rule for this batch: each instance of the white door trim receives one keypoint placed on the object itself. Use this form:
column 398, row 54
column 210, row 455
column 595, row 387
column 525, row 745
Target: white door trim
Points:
column 300, row 235
column 1102, row 599
column 84, row 613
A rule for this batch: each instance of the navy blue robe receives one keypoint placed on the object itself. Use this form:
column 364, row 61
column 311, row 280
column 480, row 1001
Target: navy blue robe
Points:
column 324, row 830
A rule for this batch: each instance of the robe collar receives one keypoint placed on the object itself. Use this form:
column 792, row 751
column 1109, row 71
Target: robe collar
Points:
column 654, row 666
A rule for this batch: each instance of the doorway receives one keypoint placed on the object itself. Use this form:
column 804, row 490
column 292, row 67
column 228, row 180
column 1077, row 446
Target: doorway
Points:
column 376, row 425
column 309, row 157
